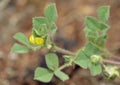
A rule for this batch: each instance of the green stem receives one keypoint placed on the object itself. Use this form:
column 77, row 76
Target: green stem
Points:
column 64, row 66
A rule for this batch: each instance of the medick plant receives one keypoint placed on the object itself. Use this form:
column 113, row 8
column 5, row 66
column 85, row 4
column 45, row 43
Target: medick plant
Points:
column 93, row 55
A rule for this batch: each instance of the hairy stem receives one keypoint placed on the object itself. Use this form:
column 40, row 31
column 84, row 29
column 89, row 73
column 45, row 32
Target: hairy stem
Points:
column 61, row 50
column 112, row 56
column 111, row 62
column 64, row 66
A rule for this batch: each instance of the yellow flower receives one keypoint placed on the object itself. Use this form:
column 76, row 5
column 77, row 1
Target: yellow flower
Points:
column 36, row 40
column 32, row 39
column 39, row 41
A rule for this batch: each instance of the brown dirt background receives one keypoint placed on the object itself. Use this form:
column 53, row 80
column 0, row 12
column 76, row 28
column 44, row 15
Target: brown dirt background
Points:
column 16, row 16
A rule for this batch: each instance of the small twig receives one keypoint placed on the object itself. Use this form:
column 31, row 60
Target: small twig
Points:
column 111, row 62
column 64, row 66
column 58, row 49
column 115, row 57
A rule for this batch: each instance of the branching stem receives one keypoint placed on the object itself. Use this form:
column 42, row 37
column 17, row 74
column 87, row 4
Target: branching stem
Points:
column 61, row 50
column 64, row 66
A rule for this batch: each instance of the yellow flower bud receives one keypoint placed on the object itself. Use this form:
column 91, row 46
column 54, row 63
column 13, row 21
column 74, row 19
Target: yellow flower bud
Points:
column 36, row 40
column 32, row 39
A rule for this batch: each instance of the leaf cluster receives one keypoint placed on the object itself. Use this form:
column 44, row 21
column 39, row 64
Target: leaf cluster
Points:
column 43, row 27
column 46, row 75
column 95, row 31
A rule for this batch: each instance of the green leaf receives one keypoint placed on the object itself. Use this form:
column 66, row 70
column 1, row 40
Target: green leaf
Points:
column 96, row 38
column 37, row 21
column 83, row 63
column 17, row 48
column 91, row 49
column 51, row 13
column 91, row 35
column 92, row 23
column 68, row 58
column 40, row 32
column 100, row 41
column 52, row 61
column 104, row 13
column 53, row 29
column 62, row 76
column 103, row 26
column 40, row 26
column 95, row 69
column 82, row 60
column 43, row 75
column 22, row 38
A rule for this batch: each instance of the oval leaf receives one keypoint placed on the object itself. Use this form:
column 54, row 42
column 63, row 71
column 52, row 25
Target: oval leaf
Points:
column 51, row 13
column 43, row 75
column 95, row 69
column 52, row 61
column 61, row 75
column 17, row 48
column 22, row 38
column 104, row 13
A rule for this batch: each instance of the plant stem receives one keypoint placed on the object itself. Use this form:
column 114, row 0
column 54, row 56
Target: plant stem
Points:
column 61, row 50
column 64, row 66
column 116, row 57
column 111, row 55
column 111, row 62
column 58, row 49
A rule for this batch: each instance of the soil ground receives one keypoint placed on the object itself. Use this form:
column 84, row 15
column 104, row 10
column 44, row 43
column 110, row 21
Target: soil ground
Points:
column 16, row 16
